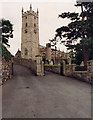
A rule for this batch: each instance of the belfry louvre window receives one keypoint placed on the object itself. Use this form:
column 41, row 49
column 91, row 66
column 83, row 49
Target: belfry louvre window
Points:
column 34, row 25
column 35, row 31
column 26, row 24
column 26, row 31
column 34, row 17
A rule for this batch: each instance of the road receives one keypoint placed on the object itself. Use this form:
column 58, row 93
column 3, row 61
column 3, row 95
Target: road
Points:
column 51, row 96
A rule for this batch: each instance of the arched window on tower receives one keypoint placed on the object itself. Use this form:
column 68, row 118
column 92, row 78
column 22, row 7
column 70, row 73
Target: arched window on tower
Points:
column 35, row 28
column 26, row 24
column 34, row 17
column 34, row 25
column 35, row 31
column 26, row 31
column 31, row 52
column 26, row 51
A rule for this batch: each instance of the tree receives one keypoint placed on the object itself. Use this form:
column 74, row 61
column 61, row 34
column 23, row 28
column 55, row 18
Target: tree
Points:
column 79, row 32
column 53, row 43
column 6, row 31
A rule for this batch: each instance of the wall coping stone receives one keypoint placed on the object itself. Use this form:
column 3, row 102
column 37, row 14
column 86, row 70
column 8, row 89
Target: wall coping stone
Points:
column 80, row 71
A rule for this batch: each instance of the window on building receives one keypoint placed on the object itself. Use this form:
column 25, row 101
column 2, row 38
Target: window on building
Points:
column 31, row 52
column 34, row 25
column 26, row 17
column 34, row 17
column 26, row 51
column 26, row 31
column 26, row 24
column 35, row 31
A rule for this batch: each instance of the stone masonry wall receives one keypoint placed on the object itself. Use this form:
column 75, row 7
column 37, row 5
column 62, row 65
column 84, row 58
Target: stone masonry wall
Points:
column 6, row 71
column 27, row 63
column 90, row 69
column 0, row 71
column 82, row 75
column 69, row 70
column 54, row 69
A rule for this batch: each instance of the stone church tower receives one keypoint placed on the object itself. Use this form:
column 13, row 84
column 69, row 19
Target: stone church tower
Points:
column 30, row 34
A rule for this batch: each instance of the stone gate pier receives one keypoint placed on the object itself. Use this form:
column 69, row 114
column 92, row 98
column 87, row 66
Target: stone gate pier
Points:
column 39, row 66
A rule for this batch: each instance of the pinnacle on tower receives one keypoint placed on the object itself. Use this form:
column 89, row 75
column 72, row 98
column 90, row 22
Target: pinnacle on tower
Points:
column 37, row 10
column 22, row 10
column 30, row 6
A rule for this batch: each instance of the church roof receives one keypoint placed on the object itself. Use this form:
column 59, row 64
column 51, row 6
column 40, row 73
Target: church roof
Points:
column 41, row 46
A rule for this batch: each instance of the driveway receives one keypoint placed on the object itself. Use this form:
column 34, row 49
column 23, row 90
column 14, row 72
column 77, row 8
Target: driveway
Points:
column 51, row 96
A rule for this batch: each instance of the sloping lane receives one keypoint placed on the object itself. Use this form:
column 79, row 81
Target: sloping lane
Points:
column 51, row 96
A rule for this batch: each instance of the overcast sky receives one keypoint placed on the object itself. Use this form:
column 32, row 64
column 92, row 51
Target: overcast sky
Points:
column 48, row 18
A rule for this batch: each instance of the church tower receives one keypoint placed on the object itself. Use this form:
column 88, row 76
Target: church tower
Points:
column 30, row 34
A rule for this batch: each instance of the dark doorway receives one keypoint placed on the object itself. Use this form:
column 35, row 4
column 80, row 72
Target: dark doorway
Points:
column 44, row 60
column 61, row 69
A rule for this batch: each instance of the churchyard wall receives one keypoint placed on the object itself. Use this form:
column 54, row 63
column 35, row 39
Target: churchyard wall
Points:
column 54, row 69
column 69, row 70
column 27, row 63
column 36, row 66
column 6, row 70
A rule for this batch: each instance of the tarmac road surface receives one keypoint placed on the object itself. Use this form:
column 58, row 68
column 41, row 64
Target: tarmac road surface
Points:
column 51, row 96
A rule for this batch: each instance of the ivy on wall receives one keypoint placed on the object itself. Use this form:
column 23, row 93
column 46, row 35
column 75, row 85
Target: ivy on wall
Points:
column 4, row 52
